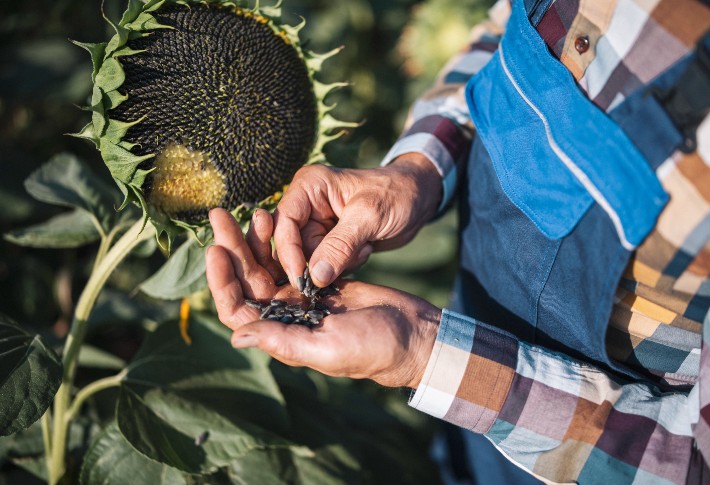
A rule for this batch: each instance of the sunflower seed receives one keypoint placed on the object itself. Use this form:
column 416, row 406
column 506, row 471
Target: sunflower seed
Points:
column 254, row 304
column 201, row 438
column 301, row 283
column 265, row 312
column 315, row 315
column 278, row 303
column 282, row 281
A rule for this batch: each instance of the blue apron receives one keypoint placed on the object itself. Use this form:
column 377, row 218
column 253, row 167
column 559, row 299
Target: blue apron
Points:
column 556, row 196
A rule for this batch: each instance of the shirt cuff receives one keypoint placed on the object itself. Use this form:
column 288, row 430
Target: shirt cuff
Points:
column 441, row 140
column 469, row 373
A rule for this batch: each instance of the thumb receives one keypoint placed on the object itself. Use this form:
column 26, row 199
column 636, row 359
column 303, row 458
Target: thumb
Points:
column 339, row 250
column 293, row 345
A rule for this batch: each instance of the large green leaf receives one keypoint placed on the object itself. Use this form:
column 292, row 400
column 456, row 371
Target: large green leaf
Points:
column 356, row 436
column 30, row 375
column 111, row 459
column 182, row 275
column 70, row 230
column 25, row 449
column 174, row 393
column 67, row 181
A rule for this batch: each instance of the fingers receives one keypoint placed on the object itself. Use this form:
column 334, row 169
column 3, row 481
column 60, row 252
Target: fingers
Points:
column 312, row 235
column 344, row 246
column 226, row 290
column 293, row 345
column 255, row 280
column 306, row 200
column 287, row 236
column 259, row 239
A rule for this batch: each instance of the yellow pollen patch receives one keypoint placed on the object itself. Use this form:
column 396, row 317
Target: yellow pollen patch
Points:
column 185, row 180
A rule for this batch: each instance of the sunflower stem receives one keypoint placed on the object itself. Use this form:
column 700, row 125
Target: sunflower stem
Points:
column 103, row 269
column 91, row 389
column 46, row 435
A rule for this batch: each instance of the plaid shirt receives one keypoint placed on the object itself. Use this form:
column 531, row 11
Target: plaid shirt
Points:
column 562, row 419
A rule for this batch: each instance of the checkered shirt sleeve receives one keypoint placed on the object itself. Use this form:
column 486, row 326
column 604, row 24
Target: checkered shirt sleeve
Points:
column 559, row 418
column 439, row 125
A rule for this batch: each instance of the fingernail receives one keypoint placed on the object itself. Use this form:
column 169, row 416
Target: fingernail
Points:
column 244, row 341
column 322, row 271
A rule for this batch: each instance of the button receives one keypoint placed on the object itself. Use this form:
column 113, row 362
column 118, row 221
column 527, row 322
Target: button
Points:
column 581, row 43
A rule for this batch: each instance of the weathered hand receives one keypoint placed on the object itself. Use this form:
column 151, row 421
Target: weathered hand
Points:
column 337, row 216
column 373, row 332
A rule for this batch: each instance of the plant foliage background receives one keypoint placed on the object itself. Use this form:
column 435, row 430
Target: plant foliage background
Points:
column 393, row 50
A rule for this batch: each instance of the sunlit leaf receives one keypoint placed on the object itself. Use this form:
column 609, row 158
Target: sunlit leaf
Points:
column 67, row 181
column 174, row 393
column 30, row 375
column 96, row 358
column 182, row 274
column 111, row 459
column 71, row 230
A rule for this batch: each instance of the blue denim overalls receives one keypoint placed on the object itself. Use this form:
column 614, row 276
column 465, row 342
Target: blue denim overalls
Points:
column 556, row 197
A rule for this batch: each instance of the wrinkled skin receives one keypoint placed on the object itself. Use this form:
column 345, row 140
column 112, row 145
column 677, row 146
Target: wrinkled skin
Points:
column 373, row 332
column 337, row 217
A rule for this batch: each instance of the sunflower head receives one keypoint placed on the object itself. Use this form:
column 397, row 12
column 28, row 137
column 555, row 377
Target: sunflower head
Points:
column 203, row 104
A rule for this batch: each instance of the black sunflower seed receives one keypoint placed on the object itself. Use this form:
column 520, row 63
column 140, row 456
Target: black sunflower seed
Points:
column 254, row 304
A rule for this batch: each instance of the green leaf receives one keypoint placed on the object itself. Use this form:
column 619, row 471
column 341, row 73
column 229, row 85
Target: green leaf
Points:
column 111, row 459
column 111, row 75
column 90, row 356
column 67, row 181
column 182, row 275
column 121, row 162
column 97, row 54
column 30, row 375
column 116, row 130
column 87, row 133
column 173, row 393
column 71, row 230
column 132, row 11
column 353, row 432
column 25, row 449
column 146, row 21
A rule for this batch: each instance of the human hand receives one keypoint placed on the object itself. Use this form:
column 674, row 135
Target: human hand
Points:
column 337, row 217
column 373, row 332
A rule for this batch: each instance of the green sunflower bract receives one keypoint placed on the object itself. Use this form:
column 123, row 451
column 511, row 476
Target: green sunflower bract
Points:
column 202, row 104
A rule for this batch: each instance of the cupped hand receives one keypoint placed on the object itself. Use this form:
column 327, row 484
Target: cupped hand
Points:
column 373, row 332
column 337, row 217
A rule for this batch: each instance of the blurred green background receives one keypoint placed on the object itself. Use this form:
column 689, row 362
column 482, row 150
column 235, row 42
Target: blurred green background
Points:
column 393, row 51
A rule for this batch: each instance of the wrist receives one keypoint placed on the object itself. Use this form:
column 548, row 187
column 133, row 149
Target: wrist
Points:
column 426, row 181
column 428, row 329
